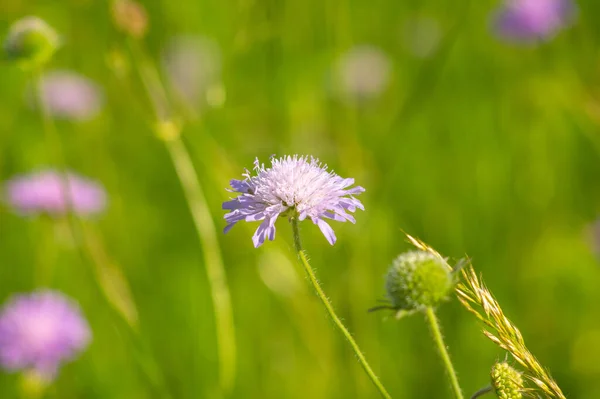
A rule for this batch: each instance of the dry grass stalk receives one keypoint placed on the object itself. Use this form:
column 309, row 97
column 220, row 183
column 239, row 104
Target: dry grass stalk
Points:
column 478, row 300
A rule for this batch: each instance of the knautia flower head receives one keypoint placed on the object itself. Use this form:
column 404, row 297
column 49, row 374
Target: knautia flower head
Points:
column 418, row 280
column 533, row 20
column 506, row 381
column 69, row 95
column 44, row 192
column 294, row 186
column 40, row 331
column 31, row 42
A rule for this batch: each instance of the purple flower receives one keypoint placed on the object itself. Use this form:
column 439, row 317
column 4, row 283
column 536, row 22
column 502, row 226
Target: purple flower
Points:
column 41, row 330
column 69, row 95
column 44, row 192
column 533, row 20
column 298, row 186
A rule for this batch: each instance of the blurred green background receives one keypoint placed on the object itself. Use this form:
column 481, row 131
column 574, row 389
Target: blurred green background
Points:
column 476, row 146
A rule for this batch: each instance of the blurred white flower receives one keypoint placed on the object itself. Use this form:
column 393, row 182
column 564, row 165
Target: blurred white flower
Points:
column 193, row 68
column 362, row 73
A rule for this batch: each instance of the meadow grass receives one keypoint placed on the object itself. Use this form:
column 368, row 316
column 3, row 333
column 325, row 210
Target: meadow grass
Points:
column 482, row 148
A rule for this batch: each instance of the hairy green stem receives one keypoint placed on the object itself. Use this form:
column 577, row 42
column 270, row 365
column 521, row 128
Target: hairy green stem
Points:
column 327, row 304
column 441, row 346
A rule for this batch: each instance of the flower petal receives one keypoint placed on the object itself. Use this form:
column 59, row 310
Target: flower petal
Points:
column 326, row 230
column 265, row 230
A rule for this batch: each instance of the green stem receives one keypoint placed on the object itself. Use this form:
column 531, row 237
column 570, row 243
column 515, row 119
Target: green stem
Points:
column 75, row 227
column 321, row 294
column 55, row 148
column 212, row 258
column 32, row 385
column 168, row 131
column 439, row 341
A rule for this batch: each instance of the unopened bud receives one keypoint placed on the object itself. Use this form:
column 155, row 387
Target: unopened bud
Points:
column 506, row 381
column 31, row 42
column 130, row 17
column 418, row 280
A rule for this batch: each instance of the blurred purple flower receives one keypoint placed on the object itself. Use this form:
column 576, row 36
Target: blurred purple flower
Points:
column 363, row 73
column 193, row 68
column 533, row 20
column 43, row 192
column 69, row 95
column 41, row 330
column 296, row 186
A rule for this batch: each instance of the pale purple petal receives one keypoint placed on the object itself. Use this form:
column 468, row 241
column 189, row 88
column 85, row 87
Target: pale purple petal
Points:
column 264, row 231
column 326, row 230
column 334, row 216
column 239, row 186
column 355, row 190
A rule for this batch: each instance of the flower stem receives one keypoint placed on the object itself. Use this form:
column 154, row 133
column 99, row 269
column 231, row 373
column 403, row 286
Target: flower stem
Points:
column 80, row 240
column 55, row 148
column 169, row 132
column 441, row 346
column 482, row 392
column 321, row 294
column 212, row 257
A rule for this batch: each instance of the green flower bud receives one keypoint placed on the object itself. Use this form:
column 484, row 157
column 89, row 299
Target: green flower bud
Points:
column 506, row 381
column 418, row 280
column 31, row 42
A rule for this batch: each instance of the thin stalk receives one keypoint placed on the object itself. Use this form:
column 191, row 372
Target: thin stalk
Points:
column 168, row 131
column 212, row 259
column 55, row 148
column 32, row 385
column 441, row 346
column 482, row 392
column 327, row 304
column 79, row 238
